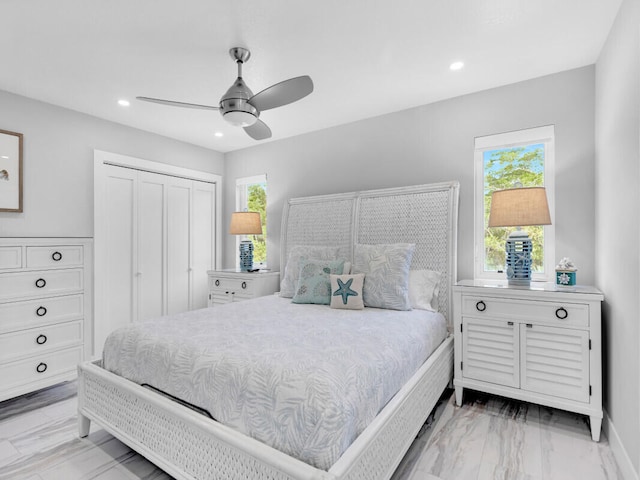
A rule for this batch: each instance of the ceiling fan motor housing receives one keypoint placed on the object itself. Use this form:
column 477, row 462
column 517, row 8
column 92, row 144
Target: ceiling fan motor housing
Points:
column 234, row 104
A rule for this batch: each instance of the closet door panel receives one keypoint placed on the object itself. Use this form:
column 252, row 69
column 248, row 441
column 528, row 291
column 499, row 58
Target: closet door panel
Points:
column 120, row 219
column 203, row 240
column 178, row 245
column 151, row 251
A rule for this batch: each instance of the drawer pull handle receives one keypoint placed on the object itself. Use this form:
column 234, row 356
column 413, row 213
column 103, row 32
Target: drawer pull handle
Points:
column 56, row 256
column 481, row 306
column 510, row 324
column 41, row 311
column 244, row 285
column 41, row 368
column 562, row 313
column 41, row 282
column 217, row 283
column 41, row 340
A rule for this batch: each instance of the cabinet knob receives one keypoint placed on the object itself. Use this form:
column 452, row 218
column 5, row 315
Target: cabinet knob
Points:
column 41, row 368
column 562, row 313
column 481, row 306
column 217, row 283
column 41, row 311
column 244, row 285
column 56, row 256
column 41, row 282
column 41, row 339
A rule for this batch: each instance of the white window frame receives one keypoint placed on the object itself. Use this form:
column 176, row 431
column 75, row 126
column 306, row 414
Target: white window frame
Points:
column 544, row 135
column 241, row 206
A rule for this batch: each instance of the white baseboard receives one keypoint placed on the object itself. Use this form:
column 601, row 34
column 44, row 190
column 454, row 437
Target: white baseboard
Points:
column 619, row 452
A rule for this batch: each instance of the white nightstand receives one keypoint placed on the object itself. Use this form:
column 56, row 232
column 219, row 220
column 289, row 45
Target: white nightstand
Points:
column 227, row 286
column 540, row 344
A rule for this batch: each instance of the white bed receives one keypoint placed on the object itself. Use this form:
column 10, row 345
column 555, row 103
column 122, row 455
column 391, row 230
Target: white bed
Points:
column 189, row 445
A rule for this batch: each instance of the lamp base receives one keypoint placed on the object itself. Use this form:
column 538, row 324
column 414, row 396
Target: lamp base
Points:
column 246, row 255
column 518, row 262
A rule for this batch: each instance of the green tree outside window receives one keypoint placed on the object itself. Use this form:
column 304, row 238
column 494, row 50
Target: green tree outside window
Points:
column 508, row 168
column 257, row 202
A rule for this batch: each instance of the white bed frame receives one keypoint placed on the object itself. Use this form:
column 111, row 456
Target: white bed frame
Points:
column 188, row 445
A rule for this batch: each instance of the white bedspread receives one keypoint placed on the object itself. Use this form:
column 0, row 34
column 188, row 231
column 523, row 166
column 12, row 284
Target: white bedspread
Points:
column 305, row 379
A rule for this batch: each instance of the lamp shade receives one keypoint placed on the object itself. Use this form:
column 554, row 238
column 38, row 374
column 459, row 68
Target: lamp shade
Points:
column 245, row 223
column 519, row 207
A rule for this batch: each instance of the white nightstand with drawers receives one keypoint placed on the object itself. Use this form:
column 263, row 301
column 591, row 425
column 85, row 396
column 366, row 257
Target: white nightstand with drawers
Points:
column 45, row 311
column 540, row 344
column 226, row 286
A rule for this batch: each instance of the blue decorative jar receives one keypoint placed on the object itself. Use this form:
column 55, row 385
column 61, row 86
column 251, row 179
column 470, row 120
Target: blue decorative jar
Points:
column 566, row 277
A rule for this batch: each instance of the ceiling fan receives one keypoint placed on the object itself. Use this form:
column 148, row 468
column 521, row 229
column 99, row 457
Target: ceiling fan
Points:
column 240, row 107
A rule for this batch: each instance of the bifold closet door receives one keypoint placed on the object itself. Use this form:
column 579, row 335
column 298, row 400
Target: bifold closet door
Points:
column 202, row 241
column 178, row 245
column 151, row 245
column 119, row 246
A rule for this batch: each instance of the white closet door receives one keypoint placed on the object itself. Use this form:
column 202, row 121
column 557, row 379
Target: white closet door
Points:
column 178, row 245
column 119, row 243
column 151, row 251
column 203, row 241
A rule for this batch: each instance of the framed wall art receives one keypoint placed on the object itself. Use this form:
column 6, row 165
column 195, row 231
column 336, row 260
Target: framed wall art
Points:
column 10, row 171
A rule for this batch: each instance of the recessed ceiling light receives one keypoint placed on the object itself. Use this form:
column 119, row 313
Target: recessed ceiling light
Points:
column 219, row 134
column 456, row 66
column 124, row 103
column 4, row 156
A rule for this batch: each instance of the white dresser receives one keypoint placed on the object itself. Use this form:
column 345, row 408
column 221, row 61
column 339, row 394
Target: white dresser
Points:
column 45, row 311
column 227, row 286
column 540, row 344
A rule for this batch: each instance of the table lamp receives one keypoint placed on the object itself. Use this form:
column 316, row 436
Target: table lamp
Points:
column 245, row 223
column 519, row 207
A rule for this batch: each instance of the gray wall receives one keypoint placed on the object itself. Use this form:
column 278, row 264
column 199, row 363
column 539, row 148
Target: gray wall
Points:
column 58, row 164
column 434, row 143
column 617, row 225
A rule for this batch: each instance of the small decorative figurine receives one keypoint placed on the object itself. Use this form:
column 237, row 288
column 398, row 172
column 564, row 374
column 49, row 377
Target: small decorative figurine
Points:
column 566, row 272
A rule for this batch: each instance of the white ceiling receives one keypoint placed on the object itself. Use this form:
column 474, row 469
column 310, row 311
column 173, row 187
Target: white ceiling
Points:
column 366, row 57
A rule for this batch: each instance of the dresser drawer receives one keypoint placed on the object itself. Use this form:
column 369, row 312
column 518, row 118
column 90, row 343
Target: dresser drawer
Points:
column 30, row 313
column 39, row 368
column 38, row 340
column 526, row 311
column 10, row 257
column 231, row 285
column 54, row 256
column 18, row 285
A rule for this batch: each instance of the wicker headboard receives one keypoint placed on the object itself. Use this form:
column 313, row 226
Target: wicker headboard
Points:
column 426, row 215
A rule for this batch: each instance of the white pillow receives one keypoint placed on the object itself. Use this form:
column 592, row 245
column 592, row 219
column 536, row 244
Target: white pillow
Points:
column 424, row 286
column 297, row 255
column 386, row 269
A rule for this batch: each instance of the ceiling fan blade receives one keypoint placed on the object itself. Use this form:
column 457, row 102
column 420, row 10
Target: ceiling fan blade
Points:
column 172, row 103
column 282, row 93
column 258, row 131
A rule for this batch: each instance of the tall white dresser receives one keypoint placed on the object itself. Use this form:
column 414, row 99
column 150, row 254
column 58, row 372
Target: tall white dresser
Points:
column 45, row 311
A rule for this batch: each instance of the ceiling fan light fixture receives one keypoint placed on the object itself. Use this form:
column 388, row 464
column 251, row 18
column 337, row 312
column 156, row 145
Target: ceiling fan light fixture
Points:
column 239, row 118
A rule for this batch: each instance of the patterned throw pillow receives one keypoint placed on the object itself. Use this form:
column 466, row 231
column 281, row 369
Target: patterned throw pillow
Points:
column 314, row 285
column 386, row 268
column 424, row 287
column 297, row 255
column 346, row 291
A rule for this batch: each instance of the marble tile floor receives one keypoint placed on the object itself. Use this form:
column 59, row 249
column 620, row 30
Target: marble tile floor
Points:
column 488, row 438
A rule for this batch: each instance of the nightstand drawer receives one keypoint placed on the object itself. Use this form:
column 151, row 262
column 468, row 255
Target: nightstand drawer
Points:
column 526, row 311
column 230, row 285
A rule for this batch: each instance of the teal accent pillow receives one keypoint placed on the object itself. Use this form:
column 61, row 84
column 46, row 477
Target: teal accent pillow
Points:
column 314, row 285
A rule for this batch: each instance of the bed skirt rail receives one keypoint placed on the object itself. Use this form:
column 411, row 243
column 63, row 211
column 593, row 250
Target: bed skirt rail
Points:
column 190, row 446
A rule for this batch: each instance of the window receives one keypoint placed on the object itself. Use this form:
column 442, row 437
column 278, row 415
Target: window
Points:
column 524, row 158
column 251, row 196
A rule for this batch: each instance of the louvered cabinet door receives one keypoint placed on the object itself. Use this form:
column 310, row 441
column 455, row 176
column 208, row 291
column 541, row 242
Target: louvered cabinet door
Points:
column 555, row 361
column 491, row 351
